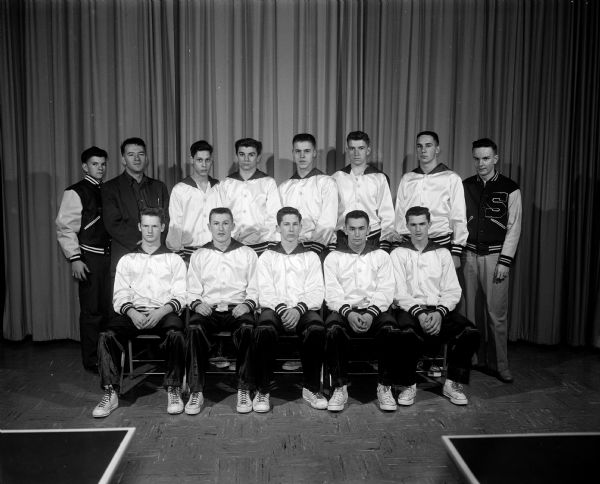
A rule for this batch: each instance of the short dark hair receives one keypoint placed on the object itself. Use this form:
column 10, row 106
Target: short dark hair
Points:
column 356, row 214
column 485, row 143
column 93, row 151
column 132, row 141
column 248, row 143
column 153, row 212
column 358, row 136
column 220, row 211
column 300, row 137
column 282, row 212
column 417, row 211
column 200, row 146
column 433, row 134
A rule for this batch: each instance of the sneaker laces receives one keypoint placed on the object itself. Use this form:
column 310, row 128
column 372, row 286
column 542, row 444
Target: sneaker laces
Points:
column 338, row 395
column 173, row 393
column 262, row 397
column 194, row 398
column 386, row 396
column 457, row 386
column 243, row 397
column 105, row 402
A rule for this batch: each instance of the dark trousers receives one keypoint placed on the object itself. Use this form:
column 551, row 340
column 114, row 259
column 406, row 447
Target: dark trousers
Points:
column 95, row 296
column 311, row 331
column 198, row 345
column 456, row 331
column 120, row 328
column 383, row 330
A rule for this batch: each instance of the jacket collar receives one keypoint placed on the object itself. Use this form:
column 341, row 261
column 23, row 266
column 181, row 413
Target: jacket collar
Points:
column 91, row 180
column 161, row 250
column 368, row 170
column 431, row 245
column 232, row 246
column 313, row 172
column 257, row 175
column 130, row 180
column 438, row 169
column 188, row 180
column 494, row 178
column 300, row 249
column 347, row 250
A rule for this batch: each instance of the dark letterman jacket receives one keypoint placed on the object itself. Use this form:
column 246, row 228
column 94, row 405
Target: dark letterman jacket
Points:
column 79, row 221
column 493, row 216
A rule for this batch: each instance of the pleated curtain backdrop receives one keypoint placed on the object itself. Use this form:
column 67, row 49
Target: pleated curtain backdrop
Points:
column 75, row 73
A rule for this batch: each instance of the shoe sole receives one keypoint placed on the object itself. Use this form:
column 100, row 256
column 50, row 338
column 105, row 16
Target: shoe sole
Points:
column 388, row 408
column 194, row 411
column 261, row 410
column 315, row 405
column 174, row 412
column 456, row 401
column 243, row 410
column 106, row 414
column 406, row 403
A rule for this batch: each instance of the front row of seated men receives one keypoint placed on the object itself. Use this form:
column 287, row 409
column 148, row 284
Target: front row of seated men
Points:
column 403, row 301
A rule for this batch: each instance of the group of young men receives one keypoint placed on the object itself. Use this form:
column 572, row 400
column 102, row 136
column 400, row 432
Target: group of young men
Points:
column 323, row 257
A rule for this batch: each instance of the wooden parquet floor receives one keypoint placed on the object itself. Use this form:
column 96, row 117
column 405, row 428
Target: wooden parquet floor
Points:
column 556, row 389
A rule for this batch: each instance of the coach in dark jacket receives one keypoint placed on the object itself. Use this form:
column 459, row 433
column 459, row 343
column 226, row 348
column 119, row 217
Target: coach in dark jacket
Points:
column 125, row 195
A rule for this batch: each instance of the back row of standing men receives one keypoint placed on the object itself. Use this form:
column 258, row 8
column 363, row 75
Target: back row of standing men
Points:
column 490, row 201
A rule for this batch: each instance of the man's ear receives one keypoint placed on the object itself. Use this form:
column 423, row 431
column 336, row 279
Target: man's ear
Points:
column 162, row 227
column 139, row 226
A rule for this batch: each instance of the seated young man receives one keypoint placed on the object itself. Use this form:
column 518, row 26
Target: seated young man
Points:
column 359, row 287
column 222, row 295
column 290, row 293
column 427, row 291
column 149, row 292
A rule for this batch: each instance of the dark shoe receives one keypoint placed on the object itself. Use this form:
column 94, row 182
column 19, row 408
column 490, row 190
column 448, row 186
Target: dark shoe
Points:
column 505, row 376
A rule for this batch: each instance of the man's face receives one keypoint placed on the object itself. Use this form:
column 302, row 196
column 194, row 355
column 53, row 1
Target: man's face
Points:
column 289, row 228
column 221, row 225
column 427, row 149
column 247, row 158
column 134, row 159
column 304, row 155
column 95, row 167
column 485, row 160
column 357, row 152
column 151, row 228
column 418, row 226
column 357, row 230
column 201, row 163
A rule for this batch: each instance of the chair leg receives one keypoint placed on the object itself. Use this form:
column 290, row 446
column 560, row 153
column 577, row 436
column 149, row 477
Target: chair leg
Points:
column 122, row 371
column 130, row 350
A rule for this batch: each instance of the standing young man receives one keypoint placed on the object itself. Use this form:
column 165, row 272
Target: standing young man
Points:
column 435, row 186
column 290, row 283
column 222, row 295
column 359, row 287
column 427, row 291
column 126, row 195
column 313, row 193
column 494, row 223
column 86, row 245
column 191, row 201
column 149, row 293
column 252, row 197
column 363, row 187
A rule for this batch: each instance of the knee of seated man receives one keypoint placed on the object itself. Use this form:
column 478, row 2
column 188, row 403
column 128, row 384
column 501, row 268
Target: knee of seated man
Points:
column 470, row 336
column 409, row 335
